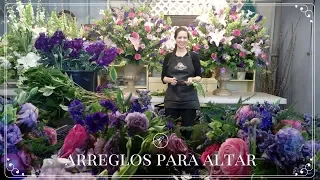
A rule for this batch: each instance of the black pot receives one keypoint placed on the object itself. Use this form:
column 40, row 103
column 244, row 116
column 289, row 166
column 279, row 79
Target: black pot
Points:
column 85, row 79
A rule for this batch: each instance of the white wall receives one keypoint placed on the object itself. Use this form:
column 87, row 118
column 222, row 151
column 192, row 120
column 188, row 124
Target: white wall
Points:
column 300, row 88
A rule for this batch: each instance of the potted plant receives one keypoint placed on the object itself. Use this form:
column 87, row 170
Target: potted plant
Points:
column 78, row 58
column 230, row 40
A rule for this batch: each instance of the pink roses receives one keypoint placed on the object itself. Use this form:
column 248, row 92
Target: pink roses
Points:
column 176, row 145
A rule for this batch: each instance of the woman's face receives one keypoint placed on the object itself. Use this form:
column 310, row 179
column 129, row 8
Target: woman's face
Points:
column 182, row 39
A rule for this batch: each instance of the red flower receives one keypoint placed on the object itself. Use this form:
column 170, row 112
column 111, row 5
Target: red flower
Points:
column 264, row 56
column 119, row 22
column 196, row 48
column 119, row 50
column 209, row 152
column 76, row 138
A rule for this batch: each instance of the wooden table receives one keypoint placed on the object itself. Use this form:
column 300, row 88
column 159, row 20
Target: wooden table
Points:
column 233, row 99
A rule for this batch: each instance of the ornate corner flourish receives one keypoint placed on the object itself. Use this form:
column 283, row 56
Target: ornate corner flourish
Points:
column 308, row 13
column 305, row 169
column 14, row 171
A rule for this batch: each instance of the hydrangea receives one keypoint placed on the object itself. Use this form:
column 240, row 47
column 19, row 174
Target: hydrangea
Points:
column 14, row 136
column 285, row 151
column 27, row 116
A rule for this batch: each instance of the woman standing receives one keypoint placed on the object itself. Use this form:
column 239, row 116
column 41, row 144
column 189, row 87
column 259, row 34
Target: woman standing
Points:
column 180, row 69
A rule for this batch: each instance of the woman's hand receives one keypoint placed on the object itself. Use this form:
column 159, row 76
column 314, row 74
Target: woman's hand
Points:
column 189, row 82
column 172, row 81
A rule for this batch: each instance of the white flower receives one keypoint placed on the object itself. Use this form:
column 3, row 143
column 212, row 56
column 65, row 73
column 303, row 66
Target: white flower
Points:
column 37, row 30
column 205, row 18
column 5, row 63
column 216, row 36
column 101, row 12
column 28, row 61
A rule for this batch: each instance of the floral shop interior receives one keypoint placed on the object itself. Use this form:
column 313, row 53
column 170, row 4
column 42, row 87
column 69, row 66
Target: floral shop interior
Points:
column 150, row 89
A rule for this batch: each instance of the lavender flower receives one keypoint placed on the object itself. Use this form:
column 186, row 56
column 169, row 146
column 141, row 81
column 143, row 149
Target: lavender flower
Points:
column 96, row 122
column 259, row 19
column 112, row 147
column 137, row 123
column 223, row 70
column 285, row 152
column 14, row 136
column 117, row 119
column 76, row 110
column 28, row 116
column 109, row 105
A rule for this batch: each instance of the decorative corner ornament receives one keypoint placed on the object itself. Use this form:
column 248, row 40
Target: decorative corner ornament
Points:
column 308, row 13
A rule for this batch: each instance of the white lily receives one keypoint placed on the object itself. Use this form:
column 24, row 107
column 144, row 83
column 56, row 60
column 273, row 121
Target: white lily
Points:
column 216, row 36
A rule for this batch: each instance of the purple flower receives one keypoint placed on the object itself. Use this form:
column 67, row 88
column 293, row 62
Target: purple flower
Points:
column 95, row 49
column 241, row 64
column 233, row 9
column 170, row 125
column 137, row 123
column 28, row 115
column 96, row 122
column 117, row 119
column 306, row 149
column 76, row 110
column 259, row 19
column 222, row 70
column 264, row 140
column 57, row 38
column 109, row 105
column 285, row 152
column 112, row 147
column 14, row 136
column 42, row 43
column 108, row 57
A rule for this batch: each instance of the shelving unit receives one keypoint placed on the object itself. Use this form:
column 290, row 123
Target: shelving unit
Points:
column 141, row 83
column 209, row 84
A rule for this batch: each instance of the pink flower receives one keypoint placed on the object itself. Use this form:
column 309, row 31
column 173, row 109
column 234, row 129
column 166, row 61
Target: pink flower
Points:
column 140, row 14
column 147, row 29
column 76, row 138
column 166, row 26
column 131, row 15
column 211, row 150
column 51, row 133
column 119, row 50
column 213, row 56
column 194, row 33
column 243, row 111
column 229, row 156
column 120, row 22
column 135, row 35
column 161, row 51
column 206, row 46
column 142, row 46
column 264, row 56
column 237, row 32
column 196, row 48
column 176, row 145
column 242, row 54
column 296, row 124
column 137, row 56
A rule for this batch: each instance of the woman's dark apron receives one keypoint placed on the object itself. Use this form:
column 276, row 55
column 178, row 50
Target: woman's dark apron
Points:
column 181, row 96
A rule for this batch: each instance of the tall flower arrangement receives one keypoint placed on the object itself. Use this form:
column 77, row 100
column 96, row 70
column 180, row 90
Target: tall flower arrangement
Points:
column 137, row 34
column 229, row 37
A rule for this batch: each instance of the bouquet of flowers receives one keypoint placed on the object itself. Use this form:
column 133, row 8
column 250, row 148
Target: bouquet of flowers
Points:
column 229, row 37
column 137, row 34
column 75, row 54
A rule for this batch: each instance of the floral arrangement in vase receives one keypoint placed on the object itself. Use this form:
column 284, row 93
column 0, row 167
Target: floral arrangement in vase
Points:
column 230, row 38
column 137, row 34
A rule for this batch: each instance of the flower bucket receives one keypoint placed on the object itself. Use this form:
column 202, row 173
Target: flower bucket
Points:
column 241, row 75
column 85, row 79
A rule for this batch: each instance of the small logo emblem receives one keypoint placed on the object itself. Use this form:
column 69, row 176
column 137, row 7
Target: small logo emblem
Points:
column 160, row 140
